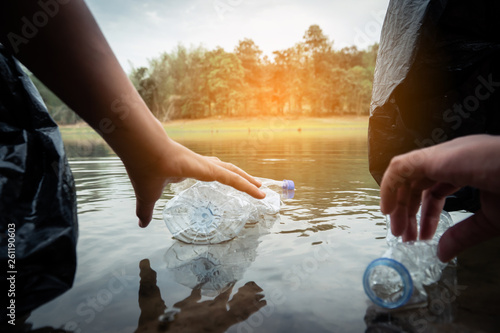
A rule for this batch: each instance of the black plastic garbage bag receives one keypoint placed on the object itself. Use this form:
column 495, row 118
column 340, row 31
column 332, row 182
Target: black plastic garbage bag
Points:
column 437, row 78
column 38, row 220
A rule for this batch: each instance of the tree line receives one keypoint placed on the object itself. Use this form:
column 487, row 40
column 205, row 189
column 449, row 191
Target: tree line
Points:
column 309, row 79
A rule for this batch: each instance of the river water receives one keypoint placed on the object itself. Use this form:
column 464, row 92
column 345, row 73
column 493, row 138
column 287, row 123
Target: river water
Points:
column 298, row 273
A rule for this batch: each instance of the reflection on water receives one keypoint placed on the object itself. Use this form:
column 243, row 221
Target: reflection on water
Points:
column 78, row 149
column 191, row 314
column 214, row 268
column 301, row 273
column 439, row 309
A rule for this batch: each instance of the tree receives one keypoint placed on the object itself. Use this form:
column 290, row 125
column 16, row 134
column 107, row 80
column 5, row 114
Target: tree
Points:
column 310, row 78
column 315, row 40
column 58, row 110
column 250, row 57
column 224, row 80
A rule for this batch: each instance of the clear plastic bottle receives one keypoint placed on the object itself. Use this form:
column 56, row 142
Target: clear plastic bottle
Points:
column 284, row 187
column 445, row 221
column 397, row 278
column 211, row 213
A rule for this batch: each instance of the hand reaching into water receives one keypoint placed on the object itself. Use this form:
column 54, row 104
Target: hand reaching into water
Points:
column 71, row 56
column 429, row 175
column 178, row 162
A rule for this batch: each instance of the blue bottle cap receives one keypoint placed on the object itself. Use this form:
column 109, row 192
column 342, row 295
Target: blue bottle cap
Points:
column 288, row 184
column 406, row 283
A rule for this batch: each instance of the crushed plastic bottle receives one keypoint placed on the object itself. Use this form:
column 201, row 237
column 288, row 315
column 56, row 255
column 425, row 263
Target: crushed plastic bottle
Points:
column 284, row 187
column 212, row 213
column 397, row 278
column 445, row 221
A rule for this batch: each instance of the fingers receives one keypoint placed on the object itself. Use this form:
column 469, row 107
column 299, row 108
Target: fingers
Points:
column 465, row 234
column 403, row 218
column 399, row 215
column 405, row 170
column 433, row 200
column 144, row 211
column 401, row 191
column 212, row 168
column 389, row 191
column 179, row 163
column 225, row 173
column 412, row 209
column 394, row 187
column 228, row 177
column 233, row 168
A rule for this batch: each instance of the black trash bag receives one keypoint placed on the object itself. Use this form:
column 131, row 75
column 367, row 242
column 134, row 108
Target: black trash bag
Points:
column 37, row 198
column 437, row 78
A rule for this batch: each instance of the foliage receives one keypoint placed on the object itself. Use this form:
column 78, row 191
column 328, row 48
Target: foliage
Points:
column 58, row 110
column 308, row 79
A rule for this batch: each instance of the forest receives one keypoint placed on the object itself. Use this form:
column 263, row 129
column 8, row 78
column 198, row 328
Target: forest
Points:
column 310, row 79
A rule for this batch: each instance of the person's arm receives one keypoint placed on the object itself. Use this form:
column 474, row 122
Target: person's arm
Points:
column 71, row 56
column 429, row 175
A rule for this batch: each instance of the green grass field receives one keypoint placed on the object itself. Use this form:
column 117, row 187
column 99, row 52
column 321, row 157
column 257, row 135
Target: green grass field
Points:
column 227, row 128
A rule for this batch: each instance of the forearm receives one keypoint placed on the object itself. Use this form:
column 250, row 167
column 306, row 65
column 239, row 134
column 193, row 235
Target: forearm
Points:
column 71, row 56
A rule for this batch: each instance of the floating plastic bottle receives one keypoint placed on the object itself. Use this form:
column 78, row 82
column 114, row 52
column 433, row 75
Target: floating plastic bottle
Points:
column 284, row 187
column 211, row 213
column 397, row 278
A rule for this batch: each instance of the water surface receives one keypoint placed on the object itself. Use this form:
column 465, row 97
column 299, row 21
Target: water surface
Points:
column 300, row 272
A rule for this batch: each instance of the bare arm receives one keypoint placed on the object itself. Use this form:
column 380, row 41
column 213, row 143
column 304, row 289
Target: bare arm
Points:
column 71, row 56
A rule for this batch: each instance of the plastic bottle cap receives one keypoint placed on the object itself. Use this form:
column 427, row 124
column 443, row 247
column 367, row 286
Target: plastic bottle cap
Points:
column 405, row 281
column 288, row 184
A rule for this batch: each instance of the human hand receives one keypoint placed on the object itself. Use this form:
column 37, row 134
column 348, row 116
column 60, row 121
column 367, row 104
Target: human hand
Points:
column 72, row 57
column 178, row 162
column 428, row 175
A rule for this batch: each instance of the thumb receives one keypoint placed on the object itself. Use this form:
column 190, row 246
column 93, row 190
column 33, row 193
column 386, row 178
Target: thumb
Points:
column 147, row 191
column 144, row 211
column 463, row 235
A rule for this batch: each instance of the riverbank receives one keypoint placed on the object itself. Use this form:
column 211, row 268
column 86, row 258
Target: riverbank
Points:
column 229, row 127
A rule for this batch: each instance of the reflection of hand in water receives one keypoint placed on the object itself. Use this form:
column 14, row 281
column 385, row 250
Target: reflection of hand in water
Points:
column 219, row 314
column 216, row 315
column 150, row 301
column 209, row 270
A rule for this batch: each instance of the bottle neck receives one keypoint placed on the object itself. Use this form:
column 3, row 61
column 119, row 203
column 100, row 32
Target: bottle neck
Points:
column 388, row 283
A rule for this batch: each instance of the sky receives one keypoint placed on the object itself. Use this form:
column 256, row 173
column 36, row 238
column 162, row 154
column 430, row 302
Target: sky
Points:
column 141, row 30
